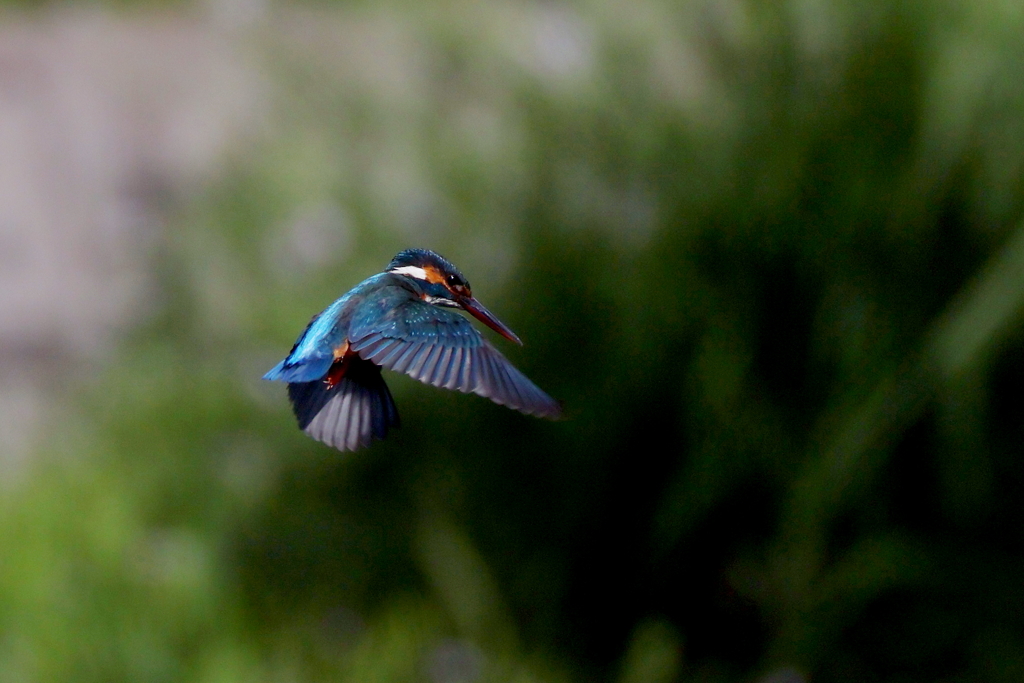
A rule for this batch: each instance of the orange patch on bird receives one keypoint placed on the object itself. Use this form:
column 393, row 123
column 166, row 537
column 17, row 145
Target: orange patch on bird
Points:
column 342, row 355
column 434, row 276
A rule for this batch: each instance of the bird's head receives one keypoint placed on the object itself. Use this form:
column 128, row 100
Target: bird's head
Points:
column 443, row 284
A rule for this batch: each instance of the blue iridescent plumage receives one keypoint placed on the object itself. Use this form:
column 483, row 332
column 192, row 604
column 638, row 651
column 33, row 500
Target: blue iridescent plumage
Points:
column 400, row 320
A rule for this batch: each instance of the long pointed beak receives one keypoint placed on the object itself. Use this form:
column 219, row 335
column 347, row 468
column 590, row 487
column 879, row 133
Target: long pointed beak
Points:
column 478, row 311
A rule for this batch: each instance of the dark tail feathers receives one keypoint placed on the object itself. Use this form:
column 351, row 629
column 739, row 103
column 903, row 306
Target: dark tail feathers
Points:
column 349, row 414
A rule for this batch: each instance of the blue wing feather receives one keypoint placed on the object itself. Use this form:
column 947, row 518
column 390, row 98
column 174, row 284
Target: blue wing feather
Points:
column 302, row 371
column 440, row 347
column 313, row 352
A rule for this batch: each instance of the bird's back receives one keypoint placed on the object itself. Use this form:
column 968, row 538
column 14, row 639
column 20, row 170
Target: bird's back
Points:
column 314, row 351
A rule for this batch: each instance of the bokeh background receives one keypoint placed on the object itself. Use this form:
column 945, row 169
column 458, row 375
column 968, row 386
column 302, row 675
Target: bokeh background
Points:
column 769, row 254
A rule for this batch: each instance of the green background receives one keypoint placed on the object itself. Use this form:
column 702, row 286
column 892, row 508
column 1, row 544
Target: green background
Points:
column 770, row 257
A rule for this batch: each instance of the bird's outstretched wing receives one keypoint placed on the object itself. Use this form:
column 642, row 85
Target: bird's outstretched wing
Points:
column 440, row 347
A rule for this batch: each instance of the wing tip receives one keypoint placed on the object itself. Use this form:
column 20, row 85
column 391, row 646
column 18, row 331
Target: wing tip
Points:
column 274, row 373
column 552, row 411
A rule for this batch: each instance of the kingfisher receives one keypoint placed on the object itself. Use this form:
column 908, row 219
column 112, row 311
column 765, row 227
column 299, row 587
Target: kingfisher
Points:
column 402, row 320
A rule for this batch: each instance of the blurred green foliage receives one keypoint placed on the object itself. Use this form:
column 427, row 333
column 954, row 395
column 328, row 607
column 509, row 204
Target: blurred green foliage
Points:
column 770, row 256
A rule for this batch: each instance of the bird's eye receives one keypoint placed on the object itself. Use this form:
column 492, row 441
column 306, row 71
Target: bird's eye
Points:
column 457, row 284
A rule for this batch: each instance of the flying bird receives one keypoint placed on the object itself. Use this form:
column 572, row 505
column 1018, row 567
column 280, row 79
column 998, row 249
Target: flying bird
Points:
column 402, row 320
